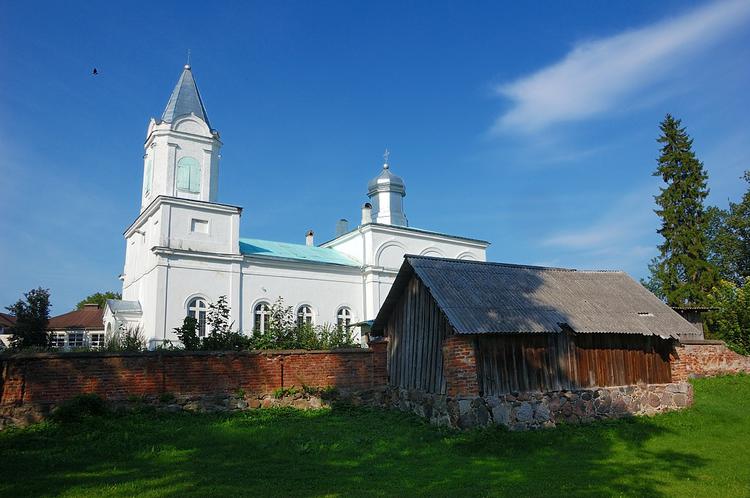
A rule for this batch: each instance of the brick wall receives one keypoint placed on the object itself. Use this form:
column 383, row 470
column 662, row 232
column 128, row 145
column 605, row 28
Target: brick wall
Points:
column 705, row 359
column 46, row 378
column 460, row 366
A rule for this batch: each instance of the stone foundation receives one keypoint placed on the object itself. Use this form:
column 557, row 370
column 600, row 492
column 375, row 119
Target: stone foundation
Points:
column 522, row 411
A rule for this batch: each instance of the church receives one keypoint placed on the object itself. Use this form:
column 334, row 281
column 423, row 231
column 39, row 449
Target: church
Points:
column 184, row 250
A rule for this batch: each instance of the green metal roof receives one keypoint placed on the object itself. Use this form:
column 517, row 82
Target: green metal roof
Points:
column 298, row 252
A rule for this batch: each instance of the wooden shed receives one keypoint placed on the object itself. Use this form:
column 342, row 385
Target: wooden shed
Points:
column 475, row 328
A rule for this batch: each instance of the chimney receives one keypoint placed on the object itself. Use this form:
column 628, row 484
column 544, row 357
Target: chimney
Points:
column 367, row 213
column 309, row 238
column 91, row 305
column 342, row 226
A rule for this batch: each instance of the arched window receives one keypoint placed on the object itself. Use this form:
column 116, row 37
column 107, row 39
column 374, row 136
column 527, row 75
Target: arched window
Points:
column 197, row 308
column 189, row 175
column 261, row 313
column 344, row 317
column 304, row 315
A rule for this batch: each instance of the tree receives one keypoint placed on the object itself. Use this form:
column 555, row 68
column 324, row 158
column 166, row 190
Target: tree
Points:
column 99, row 298
column 729, row 238
column 681, row 273
column 731, row 319
column 221, row 337
column 188, row 334
column 32, row 317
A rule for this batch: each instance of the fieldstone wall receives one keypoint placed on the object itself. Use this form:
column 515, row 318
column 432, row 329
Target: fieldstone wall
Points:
column 522, row 411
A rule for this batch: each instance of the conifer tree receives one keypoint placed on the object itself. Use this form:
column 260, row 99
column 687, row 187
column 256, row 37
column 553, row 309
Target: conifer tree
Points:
column 681, row 273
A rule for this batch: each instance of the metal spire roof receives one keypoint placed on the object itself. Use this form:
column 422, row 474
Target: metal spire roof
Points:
column 185, row 99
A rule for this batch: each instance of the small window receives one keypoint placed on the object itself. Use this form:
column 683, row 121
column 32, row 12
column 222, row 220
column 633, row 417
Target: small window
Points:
column 96, row 340
column 147, row 176
column 304, row 315
column 199, row 226
column 645, row 313
column 189, row 175
column 261, row 315
column 76, row 340
column 197, row 309
column 344, row 317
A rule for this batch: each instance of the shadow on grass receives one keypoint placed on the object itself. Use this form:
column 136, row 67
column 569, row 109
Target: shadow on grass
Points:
column 341, row 451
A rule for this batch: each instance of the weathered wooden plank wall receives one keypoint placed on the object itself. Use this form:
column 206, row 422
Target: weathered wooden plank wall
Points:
column 545, row 362
column 416, row 330
column 517, row 362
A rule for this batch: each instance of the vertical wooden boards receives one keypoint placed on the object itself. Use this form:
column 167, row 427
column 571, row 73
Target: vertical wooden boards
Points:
column 416, row 330
column 547, row 362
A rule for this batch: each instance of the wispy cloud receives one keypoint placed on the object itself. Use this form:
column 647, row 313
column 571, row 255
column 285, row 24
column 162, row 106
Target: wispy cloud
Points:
column 621, row 237
column 596, row 76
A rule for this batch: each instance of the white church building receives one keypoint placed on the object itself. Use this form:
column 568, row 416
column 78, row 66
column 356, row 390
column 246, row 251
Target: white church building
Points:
column 184, row 250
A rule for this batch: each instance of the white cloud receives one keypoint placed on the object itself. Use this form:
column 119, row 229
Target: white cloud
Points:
column 619, row 238
column 596, row 76
column 628, row 218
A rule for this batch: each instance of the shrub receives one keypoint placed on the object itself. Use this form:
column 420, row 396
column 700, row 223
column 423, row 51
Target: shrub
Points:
column 285, row 391
column 130, row 339
column 283, row 332
column 222, row 337
column 730, row 321
column 80, row 407
column 188, row 334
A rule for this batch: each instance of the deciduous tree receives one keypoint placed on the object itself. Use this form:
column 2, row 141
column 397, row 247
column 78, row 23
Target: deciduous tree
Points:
column 32, row 317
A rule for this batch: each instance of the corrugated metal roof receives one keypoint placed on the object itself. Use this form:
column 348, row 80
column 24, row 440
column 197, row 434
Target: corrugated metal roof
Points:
column 125, row 306
column 298, row 252
column 481, row 298
column 185, row 99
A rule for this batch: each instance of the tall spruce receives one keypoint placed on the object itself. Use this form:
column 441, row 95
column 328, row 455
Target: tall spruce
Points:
column 681, row 274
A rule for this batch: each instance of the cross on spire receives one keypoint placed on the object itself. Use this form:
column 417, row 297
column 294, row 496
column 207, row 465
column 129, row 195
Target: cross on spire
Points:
column 386, row 156
column 187, row 66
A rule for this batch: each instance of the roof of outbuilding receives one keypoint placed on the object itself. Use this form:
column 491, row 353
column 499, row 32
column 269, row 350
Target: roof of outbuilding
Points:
column 87, row 318
column 297, row 252
column 7, row 320
column 484, row 298
column 185, row 99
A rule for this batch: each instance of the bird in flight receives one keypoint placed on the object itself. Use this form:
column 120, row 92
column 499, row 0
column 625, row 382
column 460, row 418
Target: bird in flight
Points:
column 94, row 72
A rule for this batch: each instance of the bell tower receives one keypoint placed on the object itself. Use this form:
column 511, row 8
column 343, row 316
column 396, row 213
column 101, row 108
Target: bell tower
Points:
column 181, row 152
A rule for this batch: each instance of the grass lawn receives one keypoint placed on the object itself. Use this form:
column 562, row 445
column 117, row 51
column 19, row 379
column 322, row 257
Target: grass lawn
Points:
column 704, row 451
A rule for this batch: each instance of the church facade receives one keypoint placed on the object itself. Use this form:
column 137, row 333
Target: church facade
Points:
column 184, row 250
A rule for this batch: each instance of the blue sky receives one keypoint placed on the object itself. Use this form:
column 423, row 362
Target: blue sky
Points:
column 532, row 127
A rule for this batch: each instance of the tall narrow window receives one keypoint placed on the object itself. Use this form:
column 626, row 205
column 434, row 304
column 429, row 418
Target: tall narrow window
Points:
column 344, row 317
column 147, row 175
column 304, row 315
column 197, row 309
column 261, row 314
column 189, row 175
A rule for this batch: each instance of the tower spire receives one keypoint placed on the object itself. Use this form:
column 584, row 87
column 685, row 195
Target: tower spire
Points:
column 185, row 98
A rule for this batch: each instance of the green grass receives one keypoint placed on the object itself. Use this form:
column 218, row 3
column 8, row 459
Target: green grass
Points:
column 704, row 451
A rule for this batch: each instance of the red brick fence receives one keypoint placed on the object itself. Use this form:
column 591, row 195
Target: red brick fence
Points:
column 699, row 358
column 48, row 378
